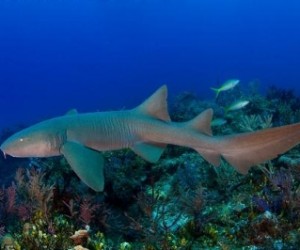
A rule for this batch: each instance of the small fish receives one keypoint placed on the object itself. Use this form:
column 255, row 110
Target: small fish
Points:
column 218, row 122
column 229, row 84
column 237, row 105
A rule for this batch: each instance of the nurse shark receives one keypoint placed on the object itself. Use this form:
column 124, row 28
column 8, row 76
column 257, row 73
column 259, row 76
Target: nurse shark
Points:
column 146, row 129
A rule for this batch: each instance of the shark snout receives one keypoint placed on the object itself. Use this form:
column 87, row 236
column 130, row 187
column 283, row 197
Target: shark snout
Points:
column 12, row 146
column 4, row 148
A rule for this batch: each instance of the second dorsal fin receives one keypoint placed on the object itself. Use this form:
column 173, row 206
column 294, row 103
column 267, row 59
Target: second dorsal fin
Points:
column 201, row 122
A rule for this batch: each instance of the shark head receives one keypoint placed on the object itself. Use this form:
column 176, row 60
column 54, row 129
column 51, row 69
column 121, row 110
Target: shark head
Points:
column 31, row 142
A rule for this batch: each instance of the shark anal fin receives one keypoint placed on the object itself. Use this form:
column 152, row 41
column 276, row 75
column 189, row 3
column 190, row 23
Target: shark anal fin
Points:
column 241, row 164
column 213, row 158
column 86, row 163
column 149, row 151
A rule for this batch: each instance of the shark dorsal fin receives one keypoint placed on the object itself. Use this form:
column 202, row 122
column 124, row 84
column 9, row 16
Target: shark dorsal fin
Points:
column 201, row 123
column 156, row 105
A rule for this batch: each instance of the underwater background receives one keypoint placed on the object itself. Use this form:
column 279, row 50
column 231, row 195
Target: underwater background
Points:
column 110, row 55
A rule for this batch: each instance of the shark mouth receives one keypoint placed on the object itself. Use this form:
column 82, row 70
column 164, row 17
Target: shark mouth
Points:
column 4, row 154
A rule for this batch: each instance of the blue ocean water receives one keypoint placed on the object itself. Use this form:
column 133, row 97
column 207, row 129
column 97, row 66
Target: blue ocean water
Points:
column 111, row 54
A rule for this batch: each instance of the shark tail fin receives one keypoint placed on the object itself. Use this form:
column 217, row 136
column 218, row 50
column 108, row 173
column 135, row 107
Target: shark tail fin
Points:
column 245, row 150
column 156, row 105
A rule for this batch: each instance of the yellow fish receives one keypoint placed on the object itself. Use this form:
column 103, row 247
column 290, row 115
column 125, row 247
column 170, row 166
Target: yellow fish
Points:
column 229, row 84
column 237, row 105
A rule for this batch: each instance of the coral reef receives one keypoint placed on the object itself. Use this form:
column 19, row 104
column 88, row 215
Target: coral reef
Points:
column 181, row 202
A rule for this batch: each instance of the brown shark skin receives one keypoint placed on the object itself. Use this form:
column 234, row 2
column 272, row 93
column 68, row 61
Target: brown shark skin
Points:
column 114, row 130
column 149, row 123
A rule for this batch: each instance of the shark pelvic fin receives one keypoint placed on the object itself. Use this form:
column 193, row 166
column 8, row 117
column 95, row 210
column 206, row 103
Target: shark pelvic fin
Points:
column 150, row 152
column 86, row 163
column 201, row 123
column 156, row 105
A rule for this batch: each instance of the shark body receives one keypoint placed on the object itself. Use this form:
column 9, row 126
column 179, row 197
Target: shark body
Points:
column 146, row 129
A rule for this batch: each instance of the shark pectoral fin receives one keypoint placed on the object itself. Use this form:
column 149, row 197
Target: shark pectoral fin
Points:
column 150, row 152
column 86, row 163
